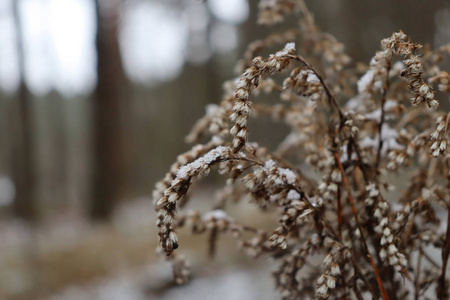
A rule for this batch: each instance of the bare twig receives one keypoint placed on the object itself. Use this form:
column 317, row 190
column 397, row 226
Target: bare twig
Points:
column 380, row 125
column 363, row 239
column 442, row 291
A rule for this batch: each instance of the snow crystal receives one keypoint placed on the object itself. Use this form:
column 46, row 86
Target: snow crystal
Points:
column 374, row 115
column 388, row 132
column 185, row 171
column 368, row 142
column 285, row 51
column 269, row 164
column 393, row 145
column 315, row 202
column 293, row 195
column 389, row 137
column 217, row 214
column 355, row 102
column 217, row 139
column 279, row 181
column 242, row 154
column 312, row 78
column 372, row 189
column 290, row 46
column 378, row 85
column 290, row 176
column 211, row 109
column 344, row 156
column 390, row 104
column 364, row 81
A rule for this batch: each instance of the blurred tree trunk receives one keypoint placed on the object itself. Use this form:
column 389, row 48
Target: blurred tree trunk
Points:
column 53, row 166
column 22, row 154
column 109, row 159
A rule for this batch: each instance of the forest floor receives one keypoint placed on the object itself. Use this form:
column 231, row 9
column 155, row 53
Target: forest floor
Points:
column 73, row 259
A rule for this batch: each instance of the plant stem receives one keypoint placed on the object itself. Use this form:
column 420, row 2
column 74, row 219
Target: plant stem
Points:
column 442, row 291
column 355, row 213
column 380, row 125
column 325, row 87
column 417, row 277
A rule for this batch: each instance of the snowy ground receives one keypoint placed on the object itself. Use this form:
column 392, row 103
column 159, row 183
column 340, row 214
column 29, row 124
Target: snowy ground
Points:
column 142, row 284
column 71, row 259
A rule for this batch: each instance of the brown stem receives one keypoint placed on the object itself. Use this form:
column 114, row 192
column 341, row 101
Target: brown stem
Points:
column 431, row 260
column 407, row 234
column 363, row 277
column 318, row 212
column 358, row 154
column 380, row 125
column 339, row 212
column 358, row 293
column 325, row 87
column 446, row 123
column 344, row 285
column 250, row 229
column 363, row 239
column 417, row 277
column 333, row 101
column 336, row 237
column 212, row 242
column 389, row 272
column 442, row 291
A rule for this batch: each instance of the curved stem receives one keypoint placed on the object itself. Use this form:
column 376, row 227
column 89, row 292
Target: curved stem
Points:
column 330, row 96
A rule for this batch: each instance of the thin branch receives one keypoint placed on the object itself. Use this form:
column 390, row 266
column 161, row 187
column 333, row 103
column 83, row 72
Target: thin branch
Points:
column 342, row 121
column 325, row 87
column 212, row 242
column 363, row 239
column 361, row 162
column 417, row 277
column 339, row 212
column 363, row 277
column 431, row 260
column 380, row 125
column 442, row 291
column 407, row 234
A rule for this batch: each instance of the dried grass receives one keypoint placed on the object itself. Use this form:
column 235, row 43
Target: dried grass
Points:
column 357, row 134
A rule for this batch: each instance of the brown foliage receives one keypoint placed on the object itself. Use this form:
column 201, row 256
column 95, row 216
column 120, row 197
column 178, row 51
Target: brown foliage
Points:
column 358, row 135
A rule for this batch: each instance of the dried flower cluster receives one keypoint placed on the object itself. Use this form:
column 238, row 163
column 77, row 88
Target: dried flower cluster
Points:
column 361, row 183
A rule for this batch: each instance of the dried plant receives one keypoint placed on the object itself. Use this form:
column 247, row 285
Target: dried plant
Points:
column 363, row 137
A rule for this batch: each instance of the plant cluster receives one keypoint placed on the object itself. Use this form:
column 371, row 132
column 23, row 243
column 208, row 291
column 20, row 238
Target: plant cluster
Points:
column 357, row 132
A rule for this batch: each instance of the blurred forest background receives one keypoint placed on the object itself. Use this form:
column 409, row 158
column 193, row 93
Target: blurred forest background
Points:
column 95, row 100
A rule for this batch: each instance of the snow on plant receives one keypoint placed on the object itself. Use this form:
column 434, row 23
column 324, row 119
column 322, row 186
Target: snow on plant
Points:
column 359, row 135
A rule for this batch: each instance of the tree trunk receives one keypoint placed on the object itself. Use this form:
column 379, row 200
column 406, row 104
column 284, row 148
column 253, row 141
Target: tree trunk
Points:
column 109, row 160
column 22, row 154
